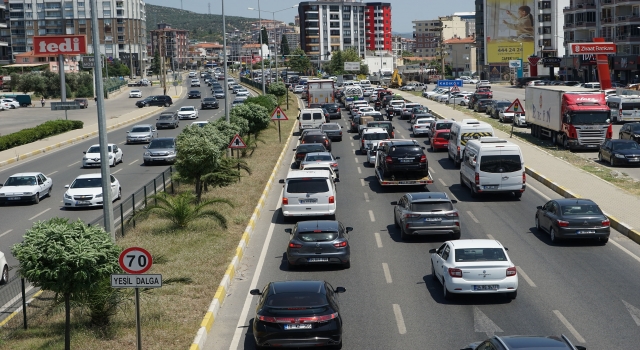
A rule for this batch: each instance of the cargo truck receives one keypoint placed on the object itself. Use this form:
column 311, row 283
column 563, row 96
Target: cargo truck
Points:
column 574, row 117
column 320, row 91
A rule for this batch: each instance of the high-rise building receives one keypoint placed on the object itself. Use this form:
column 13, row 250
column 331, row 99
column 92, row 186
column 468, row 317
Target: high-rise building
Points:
column 429, row 33
column 378, row 26
column 5, row 38
column 470, row 22
column 171, row 43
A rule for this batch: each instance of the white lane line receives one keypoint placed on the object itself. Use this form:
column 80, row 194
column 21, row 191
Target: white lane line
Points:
column 116, row 171
column 72, row 164
column 625, row 250
column 362, row 182
column 442, row 182
column 376, row 234
column 4, row 233
column 403, row 138
column 490, row 236
column 352, row 145
column 387, row 274
column 52, row 173
column 473, row 217
column 402, row 329
column 40, row 213
column 356, row 159
column 538, row 192
column 254, row 282
column 366, row 197
column 431, row 170
column 566, row 323
column 453, row 196
column 373, row 218
column 359, row 170
column 134, row 162
column 525, row 276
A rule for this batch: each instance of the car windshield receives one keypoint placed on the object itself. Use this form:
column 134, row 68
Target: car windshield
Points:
column 376, row 136
column 307, row 185
column 87, row 182
column 501, row 163
column 503, row 104
column 20, row 181
column 209, row 99
column 330, row 127
column 617, row 146
column 318, row 236
column 300, row 303
column 431, row 206
column 480, row 254
column 96, row 149
column 161, row 144
column 314, row 138
column 187, row 109
column 443, row 126
column 165, row 116
column 318, row 157
column 590, row 118
column 580, row 209
column 141, row 129
column 310, row 148
column 636, row 128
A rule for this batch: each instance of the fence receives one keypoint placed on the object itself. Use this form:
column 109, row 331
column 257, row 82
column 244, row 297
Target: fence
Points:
column 252, row 83
column 113, row 84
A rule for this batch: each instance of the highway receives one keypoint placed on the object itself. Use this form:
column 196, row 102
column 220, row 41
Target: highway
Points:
column 580, row 289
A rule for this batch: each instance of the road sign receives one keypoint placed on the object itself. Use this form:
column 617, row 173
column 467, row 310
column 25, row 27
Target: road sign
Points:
column 135, row 260
column 64, row 106
column 514, row 64
column 592, row 48
column 551, row 61
column 450, row 83
column 278, row 114
column 237, row 142
column 455, row 89
column 137, row 281
column 352, row 66
column 515, row 107
column 534, row 60
column 88, row 62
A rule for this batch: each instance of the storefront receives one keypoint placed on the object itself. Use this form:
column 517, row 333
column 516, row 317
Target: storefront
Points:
column 587, row 69
column 625, row 69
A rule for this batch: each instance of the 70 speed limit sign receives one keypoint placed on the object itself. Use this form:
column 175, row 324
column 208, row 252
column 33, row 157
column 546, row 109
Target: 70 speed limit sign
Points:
column 135, row 260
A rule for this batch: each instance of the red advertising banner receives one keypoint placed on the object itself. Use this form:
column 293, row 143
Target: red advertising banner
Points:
column 592, row 48
column 60, row 45
column 603, row 65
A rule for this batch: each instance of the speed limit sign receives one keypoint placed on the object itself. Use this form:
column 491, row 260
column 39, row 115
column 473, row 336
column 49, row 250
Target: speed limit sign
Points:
column 135, row 260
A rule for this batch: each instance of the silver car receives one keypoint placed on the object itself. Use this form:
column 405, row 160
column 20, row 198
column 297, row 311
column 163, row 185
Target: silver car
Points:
column 142, row 133
column 160, row 150
column 318, row 243
column 333, row 131
column 318, row 158
column 372, row 152
column 425, row 213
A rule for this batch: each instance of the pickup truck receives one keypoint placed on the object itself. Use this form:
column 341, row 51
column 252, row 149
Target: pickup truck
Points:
column 143, row 82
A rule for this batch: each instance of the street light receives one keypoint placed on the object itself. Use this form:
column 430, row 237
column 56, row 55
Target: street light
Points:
column 260, row 38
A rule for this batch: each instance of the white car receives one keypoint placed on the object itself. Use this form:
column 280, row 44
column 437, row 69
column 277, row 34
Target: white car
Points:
column 483, row 83
column 459, row 97
column 474, row 266
column 92, row 156
column 25, row 187
column 435, row 96
column 421, row 126
column 242, row 93
column 195, row 82
column 4, row 106
column 135, row 93
column 372, row 152
column 86, row 191
column 298, row 89
column 191, row 74
column 444, row 97
column 520, row 121
column 365, row 109
column 200, row 124
column 13, row 104
column 188, row 112
column 4, row 278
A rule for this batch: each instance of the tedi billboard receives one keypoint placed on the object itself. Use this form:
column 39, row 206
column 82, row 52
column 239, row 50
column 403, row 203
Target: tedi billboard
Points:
column 60, row 45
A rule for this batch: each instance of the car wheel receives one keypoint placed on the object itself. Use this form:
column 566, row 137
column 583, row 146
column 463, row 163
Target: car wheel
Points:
column 5, row 275
column 455, row 235
column 552, row 235
column 611, row 161
column 432, row 149
column 395, row 220
column 565, row 141
column 37, row 199
column 462, row 181
column 166, row 104
column 446, row 294
column 119, row 194
column 517, row 194
column 403, row 235
column 146, row 163
column 538, row 224
column 474, row 194
column 49, row 192
column 512, row 295
column 113, row 163
column 290, row 266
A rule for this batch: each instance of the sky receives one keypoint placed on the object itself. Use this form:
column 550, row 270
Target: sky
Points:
column 402, row 11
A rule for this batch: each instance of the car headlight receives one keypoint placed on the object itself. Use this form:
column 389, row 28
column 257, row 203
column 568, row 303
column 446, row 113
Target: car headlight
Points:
column 618, row 155
column 110, row 156
column 28, row 193
column 67, row 196
column 147, row 153
column 171, row 152
column 99, row 195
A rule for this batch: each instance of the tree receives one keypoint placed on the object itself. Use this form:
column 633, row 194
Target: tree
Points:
column 67, row 258
column 227, row 129
column 265, row 36
column 279, row 90
column 227, row 173
column 257, row 116
column 407, row 54
column 184, row 208
column 155, row 63
column 298, row 61
column 267, row 101
column 336, row 65
column 284, row 46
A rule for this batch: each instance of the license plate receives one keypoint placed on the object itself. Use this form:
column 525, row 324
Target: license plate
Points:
column 592, row 145
column 406, row 182
column 583, row 232
column 157, row 159
column 306, row 201
column 634, row 160
column 489, row 287
column 13, row 198
column 318, row 260
column 297, row 326
column 432, row 219
column 83, row 203
column 492, row 187
column 406, row 160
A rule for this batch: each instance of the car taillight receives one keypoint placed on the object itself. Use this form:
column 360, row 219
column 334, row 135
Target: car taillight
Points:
column 416, row 126
column 302, row 141
column 314, row 319
column 563, row 223
column 455, row 272
column 477, row 179
column 606, row 223
column 411, row 215
column 338, row 110
column 454, row 214
column 299, row 155
column 511, row 271
column 295, row 245
column 524, row 178
column 388, row 159
column 340, row 132
column 267, row 319
column 341, row 244
column 458, row 151
column 285, row 201
column 423, row 158
column 332, row 199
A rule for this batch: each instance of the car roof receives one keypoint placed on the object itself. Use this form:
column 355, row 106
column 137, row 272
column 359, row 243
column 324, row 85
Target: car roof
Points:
column 426, row 196
column 138, row 125
column 98, row 145
column 163, row 138
column 25, row 174
column 318, row 225
column 323, row 153
column 569, row 201
column 396, row 142
column 298, row 174
column 525, row 342
column 297, row 287
column 475, row 243
column 374, row 130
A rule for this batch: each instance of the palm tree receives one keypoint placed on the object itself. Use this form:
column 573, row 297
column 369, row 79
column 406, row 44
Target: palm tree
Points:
column 183, row 208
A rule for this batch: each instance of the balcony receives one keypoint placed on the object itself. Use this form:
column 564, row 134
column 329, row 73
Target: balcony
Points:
column 628, row 19
column 607, row 3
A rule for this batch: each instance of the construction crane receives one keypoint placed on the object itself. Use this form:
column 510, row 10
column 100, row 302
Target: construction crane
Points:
column 396, row 80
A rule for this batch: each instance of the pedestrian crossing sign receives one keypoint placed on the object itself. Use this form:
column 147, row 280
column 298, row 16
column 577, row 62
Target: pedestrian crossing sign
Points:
column 515, row 107
column 278, row 114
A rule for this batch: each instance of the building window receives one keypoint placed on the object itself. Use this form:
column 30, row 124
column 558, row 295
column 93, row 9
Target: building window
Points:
column 82, row 22
column 25, row 59
column 546, row 42
column 80, row 3
column 82, row 14
column 545, row 17
column 106, row 13
column 82, row 30
column 119, row 12
column 346, row 8
column 106, row 4
column 546, row 30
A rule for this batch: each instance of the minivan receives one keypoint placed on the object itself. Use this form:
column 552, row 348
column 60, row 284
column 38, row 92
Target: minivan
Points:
column 309, row 193
column 493, row 165
column 311, row 118
column 624, row 108
column 464, row 131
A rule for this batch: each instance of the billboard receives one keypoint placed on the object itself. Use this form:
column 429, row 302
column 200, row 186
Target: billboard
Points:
column 509, row 30
column 60, row 44
column 352, row 66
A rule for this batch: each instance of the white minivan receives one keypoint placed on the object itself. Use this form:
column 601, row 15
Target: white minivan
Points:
column 493, row 165
column 309, row 193
column 311, row 118
column 624, row 108
column 462, row 132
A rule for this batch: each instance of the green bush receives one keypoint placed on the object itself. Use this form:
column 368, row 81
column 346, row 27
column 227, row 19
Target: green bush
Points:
column 50, row 128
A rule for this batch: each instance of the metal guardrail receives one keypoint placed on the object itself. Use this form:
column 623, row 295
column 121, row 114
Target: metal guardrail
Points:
column 251, row 82
column 113, row 84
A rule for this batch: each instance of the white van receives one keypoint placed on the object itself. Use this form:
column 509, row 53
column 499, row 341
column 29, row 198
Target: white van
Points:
column 491, row 164
column 309, row 193
column 311, row 118
column 624, row 108
column 591, row 85
column 463, row 131
column 365, row 83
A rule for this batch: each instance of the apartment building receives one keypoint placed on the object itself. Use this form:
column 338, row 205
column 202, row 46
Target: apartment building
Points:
column 5, row 50
column 480, row 48
column 378, row 26
column 171, row 43
column 429, row 33
column 122, row 25
column 461, row 55
column 470, row 22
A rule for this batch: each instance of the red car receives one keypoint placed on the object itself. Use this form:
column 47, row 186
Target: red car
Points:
column 440, row 140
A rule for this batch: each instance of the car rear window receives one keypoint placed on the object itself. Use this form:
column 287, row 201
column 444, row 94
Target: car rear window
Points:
column 480, row 254
column 318, row 116
column 141, row 129
column 405, row 149
column 376, row 136
column 318, row 157
column 443, row 135
column 501, row 163
column 306, row 116
column 283, row 304
column 324, row 236
column 166, row 116
column 330, row 127
column 307, row 186
column 443, row 126
column 311, row 148
column 580, row 209
column 431, row 206
column 161, row 144
column 314, row 138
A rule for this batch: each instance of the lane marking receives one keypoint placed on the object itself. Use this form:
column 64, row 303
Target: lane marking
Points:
column 366, row 197
column 473, row 217
column 483, row 324
column 362, row 182
column 566, row 323
column 387, row 273
column 373, row 218
column 403, row 136
column 442, row 182
column 356, row 159
column 134, row 162
column 72, row 164
column 538, row 192
column 40, row 213
column 6, row 232
column 431, row 170
column 490, row 236
column 453, row 196
column 633, row 311
column 116, row 171
column 376, row 234
column 359, row 170
column 52, row 173
column 402, row 329
column 625, row 250
column 352, row 145
column 525, row 276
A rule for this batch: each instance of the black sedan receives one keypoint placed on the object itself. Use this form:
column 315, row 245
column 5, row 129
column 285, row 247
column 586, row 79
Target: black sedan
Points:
column 298, row 314
column 481, row 105
column 194, row 94
column 319, row 242
column 302, row 150
column 209, row 102
column 630, row 131
column 573, row 218
column 525, row 342
column 333, row 109
column 619, row 152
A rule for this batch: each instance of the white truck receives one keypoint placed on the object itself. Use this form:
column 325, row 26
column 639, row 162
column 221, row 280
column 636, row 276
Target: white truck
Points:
column 320, row 91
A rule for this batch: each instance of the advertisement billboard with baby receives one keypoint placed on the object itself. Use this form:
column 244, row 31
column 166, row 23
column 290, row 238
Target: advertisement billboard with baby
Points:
column 509, row 30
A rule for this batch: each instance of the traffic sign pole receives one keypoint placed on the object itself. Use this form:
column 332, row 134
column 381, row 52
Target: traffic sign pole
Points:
column 278, row 115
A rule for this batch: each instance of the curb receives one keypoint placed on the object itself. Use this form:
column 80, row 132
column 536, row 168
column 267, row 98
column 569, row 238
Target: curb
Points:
column 208, row 319
column 13, row 314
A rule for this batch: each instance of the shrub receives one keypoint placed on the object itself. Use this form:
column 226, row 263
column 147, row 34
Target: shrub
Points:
column 50, row 128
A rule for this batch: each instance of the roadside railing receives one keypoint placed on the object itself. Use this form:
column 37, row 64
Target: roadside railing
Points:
column 113, row 84
column 251, row 82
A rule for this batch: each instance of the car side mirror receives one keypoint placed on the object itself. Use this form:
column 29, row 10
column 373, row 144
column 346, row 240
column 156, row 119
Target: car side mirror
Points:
column 394, row 203
column 154, row 130
column 454, row 201
column 281, row 181
column 423, row 147
column 337, row 179
column 337, row 157
column 432, row 251
column 129, row 131
column 145, row 147
column 294, row 149
column 255, row 292
column 66, row 186
column 86, row 152
column 340, row 290
column 349, row 229
column 288, row 230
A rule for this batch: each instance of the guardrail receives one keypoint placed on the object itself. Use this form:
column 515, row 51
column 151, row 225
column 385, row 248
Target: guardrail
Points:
column 251, row 82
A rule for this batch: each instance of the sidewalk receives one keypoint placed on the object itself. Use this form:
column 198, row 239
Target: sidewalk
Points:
column 562, row 177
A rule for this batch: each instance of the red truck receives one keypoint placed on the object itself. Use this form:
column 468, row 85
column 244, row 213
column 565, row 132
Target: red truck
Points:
column 574, row 117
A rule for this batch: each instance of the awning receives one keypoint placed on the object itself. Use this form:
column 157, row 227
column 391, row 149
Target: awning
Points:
column 25, row 65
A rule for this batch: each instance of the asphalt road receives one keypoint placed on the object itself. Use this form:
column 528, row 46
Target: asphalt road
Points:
column 580, row 289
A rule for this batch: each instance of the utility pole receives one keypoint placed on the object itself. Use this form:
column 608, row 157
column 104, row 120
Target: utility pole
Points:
column 224, row 53
column 129, row 25
column 261, row 52
column 163, row 69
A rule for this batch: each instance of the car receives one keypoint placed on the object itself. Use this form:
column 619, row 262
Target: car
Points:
column 298, row 313
column 474, row 266
column 422, row 126
column 332, row 130
column 12, row 103
column 426, row 213
column 141, row 133
column 520, row 120
column 407, row 109
column 5, row 105
column 504, row 116
column 321, row 158
column 371, row 136
column 243, row 92
column 86, row 191
column 420, row 111
column 303, row 149
column 158, row 100
column 195, row 82
column 333, row 109
column 483, row 83
column 439, row 124
column 135, row 93
column 387, row 125
column 316, row 137
column 630, row 131
column 319, row 242
column 518, row 342
column 194, row 94
column 298, row 89
column 167, row 120
column 218, row 93
column 4, row 278
column 188, row 112
column 402, row 156
column 25, row 187
column 160, row 150
column 191, row 74
column 200, row 124
column 92, row 155
column 82, row 102
column 458, row 98
column 439, row 140
column 481, row 105
column 497, row 107
column 237, row 101
column 372, row 152
column 619, row 152
column 209, row 102
column 308, row 193
column 573, row 218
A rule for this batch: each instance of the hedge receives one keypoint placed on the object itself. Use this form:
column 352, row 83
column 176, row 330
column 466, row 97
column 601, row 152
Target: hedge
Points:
column 50, row 128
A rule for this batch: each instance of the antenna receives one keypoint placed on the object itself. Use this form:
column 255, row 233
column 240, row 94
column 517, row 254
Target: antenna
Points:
column 209, row 8
column 181, row 5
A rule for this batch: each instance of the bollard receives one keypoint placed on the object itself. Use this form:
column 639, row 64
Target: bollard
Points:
column 122, row 219
column 24, row 303
column 145, row 195
column 133, row 210
column 164, row 183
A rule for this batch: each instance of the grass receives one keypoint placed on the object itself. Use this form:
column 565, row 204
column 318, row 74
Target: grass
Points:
column 171, row 315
